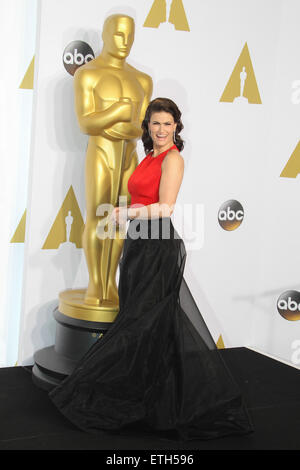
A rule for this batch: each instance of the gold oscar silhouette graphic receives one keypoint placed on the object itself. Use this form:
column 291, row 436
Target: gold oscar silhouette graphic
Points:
column 27, row 82
column 220, row 343
column 167, row 10
column 111, row 98
column 292, row 168
column 242, row 87
column 58, row 235
column 19, row 235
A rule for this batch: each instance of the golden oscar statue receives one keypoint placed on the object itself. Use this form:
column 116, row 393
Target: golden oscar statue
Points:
column 111, row 98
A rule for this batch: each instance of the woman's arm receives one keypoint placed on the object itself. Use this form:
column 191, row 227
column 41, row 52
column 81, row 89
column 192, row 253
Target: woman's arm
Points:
column 90, row 121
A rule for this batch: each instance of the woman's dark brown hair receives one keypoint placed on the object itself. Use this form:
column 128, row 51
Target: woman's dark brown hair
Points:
column 156, row 106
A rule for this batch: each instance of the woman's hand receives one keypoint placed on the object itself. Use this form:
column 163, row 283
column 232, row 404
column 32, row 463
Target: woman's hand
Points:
column 119, row 215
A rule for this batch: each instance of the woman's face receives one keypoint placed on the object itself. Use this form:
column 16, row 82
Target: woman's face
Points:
column 161, row 129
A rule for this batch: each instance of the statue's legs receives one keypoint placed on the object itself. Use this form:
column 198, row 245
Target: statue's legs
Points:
column 104, row 185
column 97, row 190
column 131, row 161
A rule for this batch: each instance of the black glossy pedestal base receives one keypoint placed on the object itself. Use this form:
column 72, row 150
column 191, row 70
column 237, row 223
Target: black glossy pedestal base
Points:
column 72, row 340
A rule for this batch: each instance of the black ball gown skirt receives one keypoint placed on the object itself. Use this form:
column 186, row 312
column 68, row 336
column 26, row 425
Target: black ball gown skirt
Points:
column 157, row 368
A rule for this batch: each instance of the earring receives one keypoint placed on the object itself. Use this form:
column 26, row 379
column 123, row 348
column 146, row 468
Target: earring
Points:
column 174, row 137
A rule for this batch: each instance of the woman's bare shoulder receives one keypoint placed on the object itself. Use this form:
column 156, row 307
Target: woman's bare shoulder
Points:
column 173, row 156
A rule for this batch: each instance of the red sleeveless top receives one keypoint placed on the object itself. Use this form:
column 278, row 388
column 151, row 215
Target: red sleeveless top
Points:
column 143, row 184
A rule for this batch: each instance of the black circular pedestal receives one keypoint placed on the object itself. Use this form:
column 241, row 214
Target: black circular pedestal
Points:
column 73, row 339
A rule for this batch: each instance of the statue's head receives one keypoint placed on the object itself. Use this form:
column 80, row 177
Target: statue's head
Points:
column 118, row 35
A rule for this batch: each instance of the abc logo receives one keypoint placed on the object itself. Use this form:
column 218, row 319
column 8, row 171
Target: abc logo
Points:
column 288, row 305
column 231, row 215
column 76, row 54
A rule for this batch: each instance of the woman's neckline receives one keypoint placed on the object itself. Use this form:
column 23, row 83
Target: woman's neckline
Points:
column 165, row 151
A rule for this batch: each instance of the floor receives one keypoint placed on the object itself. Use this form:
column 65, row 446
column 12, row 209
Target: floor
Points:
column 28, row 420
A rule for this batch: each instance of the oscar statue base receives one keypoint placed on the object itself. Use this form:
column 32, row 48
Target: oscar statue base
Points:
column 71, row 303
column 73, row 337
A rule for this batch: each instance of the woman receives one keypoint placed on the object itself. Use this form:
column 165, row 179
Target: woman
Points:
column 157, row 368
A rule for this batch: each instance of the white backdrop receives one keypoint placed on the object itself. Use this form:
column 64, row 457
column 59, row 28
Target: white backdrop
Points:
column 234, row 150
column 17, row 35
column 279, row 231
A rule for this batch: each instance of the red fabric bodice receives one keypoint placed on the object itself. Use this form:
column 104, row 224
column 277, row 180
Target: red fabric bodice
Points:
column 143, row 184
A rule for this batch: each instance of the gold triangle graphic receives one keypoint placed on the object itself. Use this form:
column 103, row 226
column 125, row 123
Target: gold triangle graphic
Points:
column 292, row 168
column 58, row 233
column 220, row 343
column 158, row 15
column 178, row 16
column 27, row 82
column 241, row 87
column 16, row 364
column 19, row 235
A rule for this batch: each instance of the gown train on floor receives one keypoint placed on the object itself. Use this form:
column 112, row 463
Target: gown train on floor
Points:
column 157, row 368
